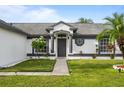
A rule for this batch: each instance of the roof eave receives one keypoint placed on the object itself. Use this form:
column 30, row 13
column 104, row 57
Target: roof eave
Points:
column 12, row 28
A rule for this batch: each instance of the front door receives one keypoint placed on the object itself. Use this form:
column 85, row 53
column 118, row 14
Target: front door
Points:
column 61, row 47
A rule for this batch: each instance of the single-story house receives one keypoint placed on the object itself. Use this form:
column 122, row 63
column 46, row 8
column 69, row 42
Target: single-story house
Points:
column 70, row 40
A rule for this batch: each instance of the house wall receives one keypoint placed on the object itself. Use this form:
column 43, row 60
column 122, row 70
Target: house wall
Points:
column 29, row 46
column 12, row 47
column 51, row 47
column 87, row 47
column 117, row 50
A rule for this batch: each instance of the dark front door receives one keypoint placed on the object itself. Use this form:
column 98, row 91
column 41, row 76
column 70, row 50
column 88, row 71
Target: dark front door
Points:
column 61, row 47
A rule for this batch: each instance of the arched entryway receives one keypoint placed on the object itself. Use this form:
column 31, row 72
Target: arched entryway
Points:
column 62, row 43
column 61, row 39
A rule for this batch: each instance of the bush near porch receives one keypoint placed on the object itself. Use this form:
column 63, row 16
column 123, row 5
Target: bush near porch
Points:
column 33, row 65
column 83, row 73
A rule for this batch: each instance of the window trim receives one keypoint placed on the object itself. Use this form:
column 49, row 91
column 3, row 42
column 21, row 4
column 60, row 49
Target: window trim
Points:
column 104, row 44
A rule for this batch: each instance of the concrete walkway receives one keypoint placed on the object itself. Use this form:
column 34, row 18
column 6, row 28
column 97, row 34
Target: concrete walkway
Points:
column 60, row 68
column 24, row 73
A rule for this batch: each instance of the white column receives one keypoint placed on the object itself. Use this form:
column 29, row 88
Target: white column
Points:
column 70, row 43
column 52, row 43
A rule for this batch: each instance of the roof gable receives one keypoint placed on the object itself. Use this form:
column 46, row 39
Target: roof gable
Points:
column 61, row 22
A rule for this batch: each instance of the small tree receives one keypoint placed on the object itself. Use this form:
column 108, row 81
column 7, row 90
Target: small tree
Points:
column 38, row 43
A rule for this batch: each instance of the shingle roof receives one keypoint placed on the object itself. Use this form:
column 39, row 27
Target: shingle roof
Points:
column 9, row 27
column 33, row 28
column 90, row 28
column 40, row 28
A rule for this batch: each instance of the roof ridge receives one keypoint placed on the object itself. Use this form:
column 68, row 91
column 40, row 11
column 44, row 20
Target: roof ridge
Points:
column 55, row 23
column 33, row 23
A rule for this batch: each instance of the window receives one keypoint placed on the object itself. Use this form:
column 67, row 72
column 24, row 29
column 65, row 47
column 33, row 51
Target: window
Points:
column 62, row 35
column 103, row 46
column 41, row 50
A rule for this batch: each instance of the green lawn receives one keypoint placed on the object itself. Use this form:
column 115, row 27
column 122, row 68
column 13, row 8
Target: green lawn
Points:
column 32, row 65
column 87, row 73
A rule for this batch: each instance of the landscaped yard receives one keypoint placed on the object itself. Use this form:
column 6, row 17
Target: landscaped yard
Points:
column 33, row 65
column 88, row 73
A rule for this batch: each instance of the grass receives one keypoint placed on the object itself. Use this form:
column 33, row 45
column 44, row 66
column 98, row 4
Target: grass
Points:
column 83, row 73
column 33, row 65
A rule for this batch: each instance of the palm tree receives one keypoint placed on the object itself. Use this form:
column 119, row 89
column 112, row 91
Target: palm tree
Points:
column 116, row 32
column 85, row 20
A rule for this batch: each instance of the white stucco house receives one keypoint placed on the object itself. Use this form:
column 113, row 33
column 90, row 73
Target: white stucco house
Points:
column 70, row 40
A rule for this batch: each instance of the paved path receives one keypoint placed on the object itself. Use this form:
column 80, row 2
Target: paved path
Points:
column 60, row 68
column 24, row 73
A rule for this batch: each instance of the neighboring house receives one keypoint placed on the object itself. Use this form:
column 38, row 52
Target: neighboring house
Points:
column 70, row 40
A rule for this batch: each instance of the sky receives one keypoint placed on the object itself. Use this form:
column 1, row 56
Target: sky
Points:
column 55, row 13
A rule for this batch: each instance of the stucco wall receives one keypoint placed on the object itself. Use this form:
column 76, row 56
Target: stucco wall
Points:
column 117, row 50
column 29, row 46
column 51, row 47
column 12, row 47
column 87, row 47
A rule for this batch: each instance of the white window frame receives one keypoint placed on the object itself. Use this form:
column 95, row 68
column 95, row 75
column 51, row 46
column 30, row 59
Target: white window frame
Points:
column 103, row 46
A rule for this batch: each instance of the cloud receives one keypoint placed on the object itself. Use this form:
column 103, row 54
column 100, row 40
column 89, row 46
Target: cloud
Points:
column 29, row 14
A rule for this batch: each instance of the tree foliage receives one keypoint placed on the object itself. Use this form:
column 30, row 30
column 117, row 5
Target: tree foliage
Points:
column 116, row 31
column 38, row 43
column 85, row 20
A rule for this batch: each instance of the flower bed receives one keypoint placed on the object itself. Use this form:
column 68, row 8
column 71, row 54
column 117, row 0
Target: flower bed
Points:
column 118, row 67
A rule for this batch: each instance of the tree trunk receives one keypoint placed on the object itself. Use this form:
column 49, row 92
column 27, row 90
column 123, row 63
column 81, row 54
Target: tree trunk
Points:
column 123, row 54
column 120, row 42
